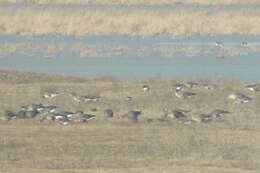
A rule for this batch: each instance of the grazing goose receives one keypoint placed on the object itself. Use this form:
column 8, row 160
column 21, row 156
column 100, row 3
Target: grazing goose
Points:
column 184, row 95
column 239, row 98
column 131, row 116
column 128, row 98
column 176, row 114
column 50, row 95
column 192, row 84
column 86, row 117
column 8, row 115
column 80, row 117
column 50, row 108
column 254, row 87
column 146, row 88
column 108, row 113
column 209, row 86
column 202, row 118
column 178, row 87
column 64, row 122
column 217, row 113
column 86, row 98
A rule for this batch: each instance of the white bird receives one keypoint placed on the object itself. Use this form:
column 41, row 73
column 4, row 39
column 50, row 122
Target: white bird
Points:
column 239, row 98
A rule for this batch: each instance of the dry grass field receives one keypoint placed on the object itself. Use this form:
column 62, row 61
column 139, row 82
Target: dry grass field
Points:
column 135, row 2
column 108, row 145
column 76, row 21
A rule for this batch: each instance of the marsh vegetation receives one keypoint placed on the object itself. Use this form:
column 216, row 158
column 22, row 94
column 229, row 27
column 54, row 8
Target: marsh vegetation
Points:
column 108, row 145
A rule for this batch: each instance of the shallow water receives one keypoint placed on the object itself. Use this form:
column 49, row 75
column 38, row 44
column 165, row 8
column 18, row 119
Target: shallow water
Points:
column 135, row 58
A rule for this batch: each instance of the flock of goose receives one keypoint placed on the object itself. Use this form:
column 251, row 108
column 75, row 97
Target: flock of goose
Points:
column 51, row 112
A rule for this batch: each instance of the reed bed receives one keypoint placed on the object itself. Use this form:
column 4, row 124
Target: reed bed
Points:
column 31, row 20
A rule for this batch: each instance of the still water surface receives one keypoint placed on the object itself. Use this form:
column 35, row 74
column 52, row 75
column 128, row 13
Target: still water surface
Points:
column 152, row 64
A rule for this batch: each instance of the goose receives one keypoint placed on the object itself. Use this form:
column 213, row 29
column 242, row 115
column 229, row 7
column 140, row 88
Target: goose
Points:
column 8, row 115
column 177, row 87
column 192, row 84
column 146, row 88
column 50, row 95
column 239, row 98
column 108, row 113
column 184, row 95
column 217, row 113
column 202, row 118
column 254, row 87
column 131, row 116
column 218, row 44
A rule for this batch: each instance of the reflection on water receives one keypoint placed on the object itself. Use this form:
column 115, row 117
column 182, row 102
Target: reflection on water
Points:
column 134, row 58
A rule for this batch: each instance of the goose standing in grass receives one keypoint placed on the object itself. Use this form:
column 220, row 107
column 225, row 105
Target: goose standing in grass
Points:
column 218, row 113
column 50, row 95
column 131, row 116
column 254, row 87
column 128, row 98
column 8, row 115
column 178, row 87
column 239, row 98
column 108, row 113
column 80, row 117
column 146, row 88
column 184, row 95
column 86, row 98
column 192, row 84
column 180, row 115
column 202, row 118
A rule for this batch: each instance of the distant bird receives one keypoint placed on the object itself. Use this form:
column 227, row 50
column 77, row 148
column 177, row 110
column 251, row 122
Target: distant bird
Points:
column 239, row 98
column 59, row 116
column 245, row 44
column 192, row 84
column 184, row 95
column 86, row 117
column 86, row 98
column 176, row 114
column 202, row 118
column 178, row 87
column 8, row 115
column 64, row 122
column 128, row 98
column 146, row 88
column 50, row 95
column 218, row 113
column 131, row 116
column 67, row 114
column 218, row 44
column 208, row 86
column 50, row 108
column 254, row 87
column 108, row 113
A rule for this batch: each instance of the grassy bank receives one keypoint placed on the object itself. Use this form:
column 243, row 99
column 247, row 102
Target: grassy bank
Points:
column 107, row 145
column 108, row 21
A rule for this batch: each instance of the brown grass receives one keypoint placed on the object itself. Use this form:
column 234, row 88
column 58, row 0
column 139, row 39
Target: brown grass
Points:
column 110, row 146
column 135, row 2
column 106, row 21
